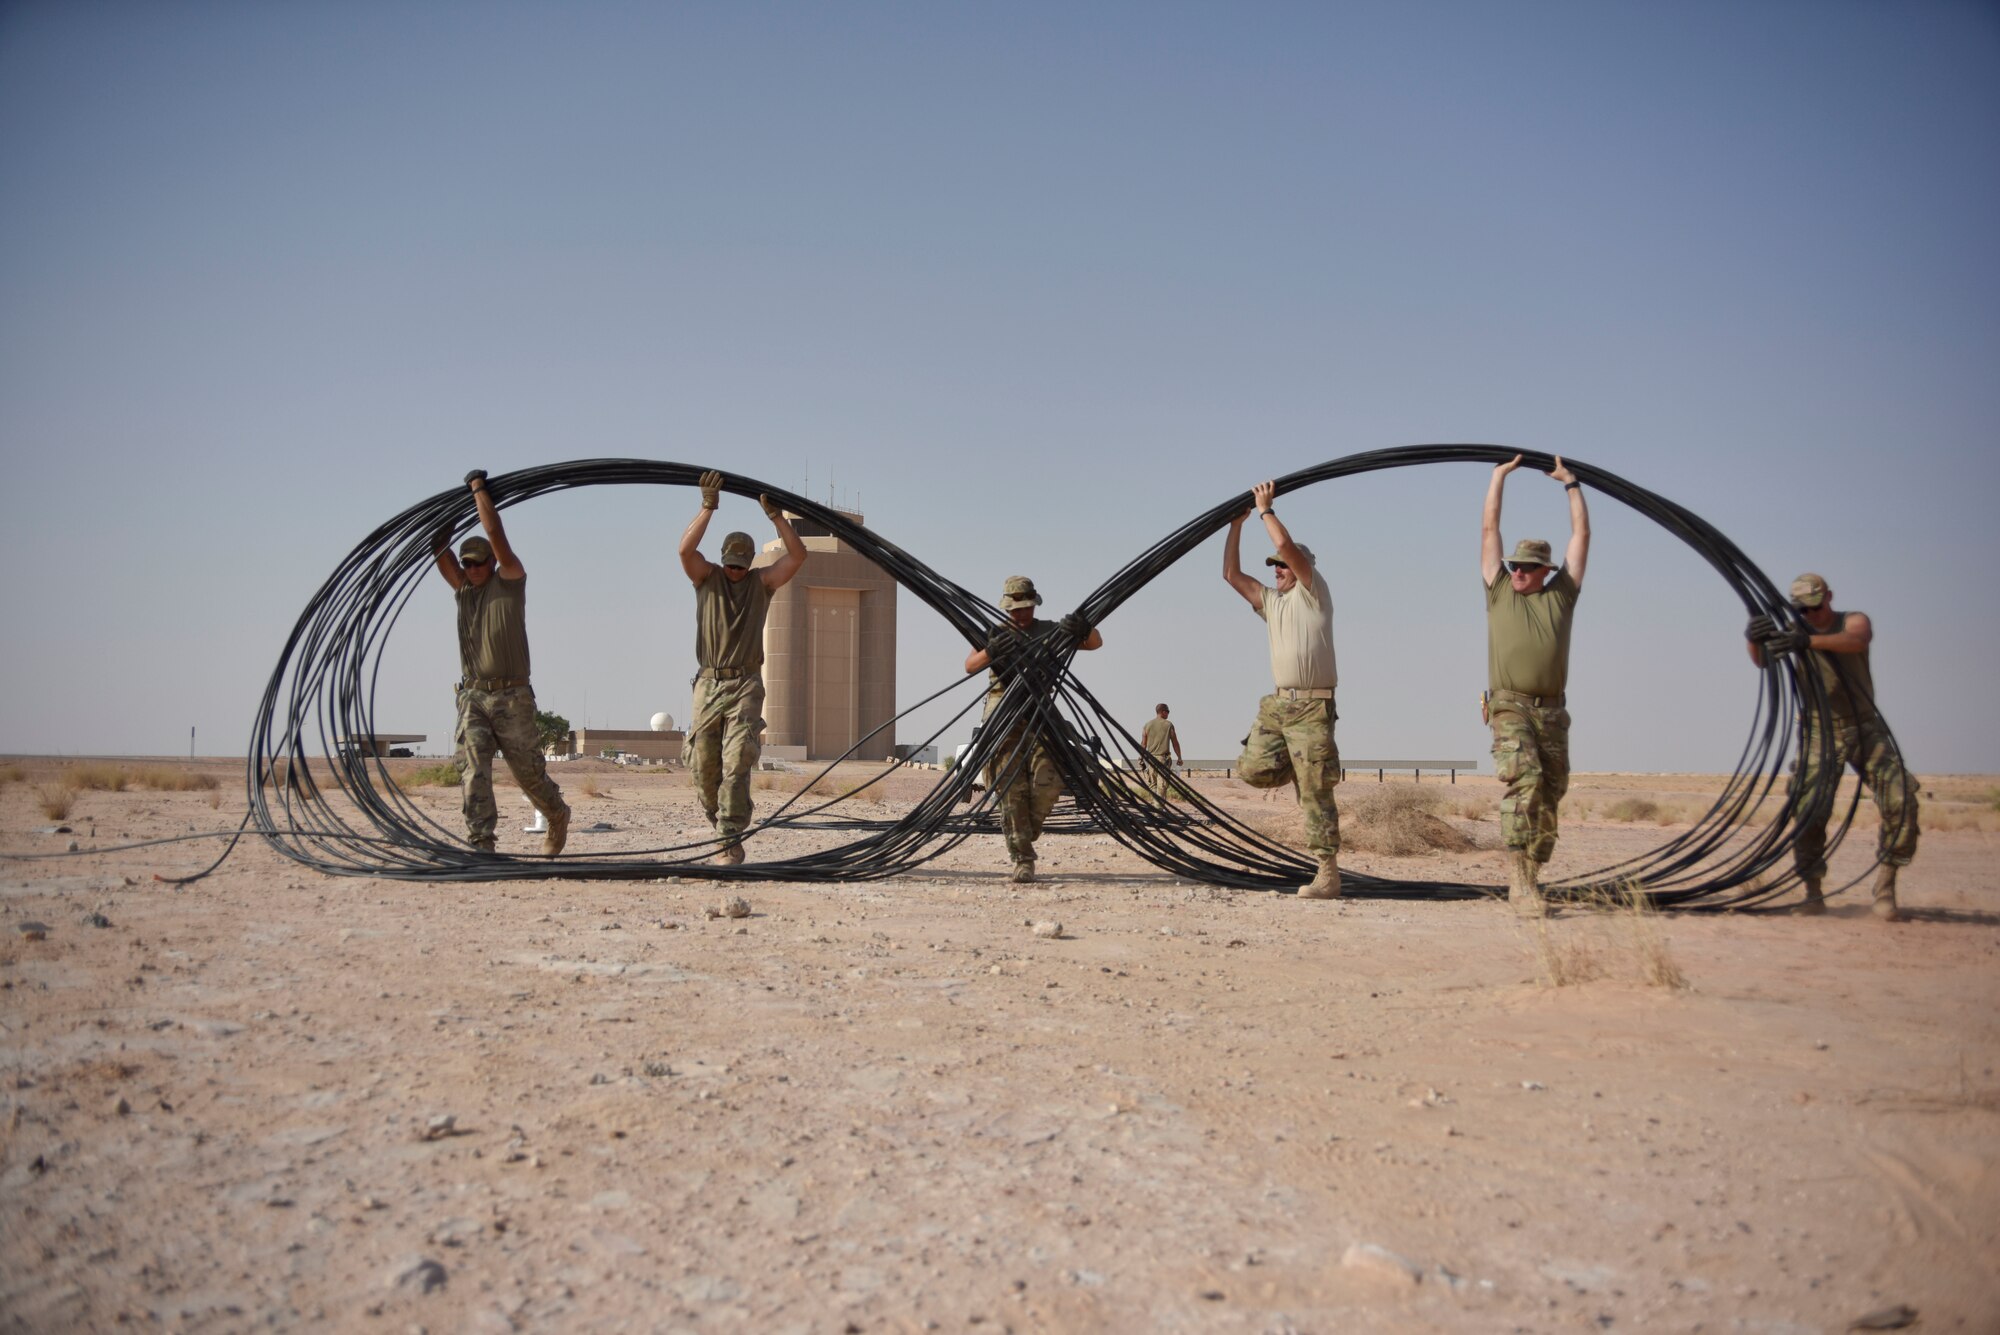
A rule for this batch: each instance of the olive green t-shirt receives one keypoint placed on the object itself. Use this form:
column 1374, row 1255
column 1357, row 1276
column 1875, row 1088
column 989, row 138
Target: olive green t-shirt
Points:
column 729, row 621
column 1850, row 684
column 493, row 628
column 1036, row 629
column 1527, row 635
column 1158, row 736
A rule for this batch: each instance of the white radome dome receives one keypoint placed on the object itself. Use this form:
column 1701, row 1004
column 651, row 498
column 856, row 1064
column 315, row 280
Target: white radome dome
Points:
column 663, row 722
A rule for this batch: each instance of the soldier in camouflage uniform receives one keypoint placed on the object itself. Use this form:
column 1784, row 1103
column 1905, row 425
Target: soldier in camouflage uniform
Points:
column 725, row 737
column 1162, row 743
column 1292, row 740
column 1836, row 644
column 1022, row 772
column 496, row 705
column 1528, row 613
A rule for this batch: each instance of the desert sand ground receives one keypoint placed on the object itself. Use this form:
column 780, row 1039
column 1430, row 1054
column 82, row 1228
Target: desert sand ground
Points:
column 893, row 1107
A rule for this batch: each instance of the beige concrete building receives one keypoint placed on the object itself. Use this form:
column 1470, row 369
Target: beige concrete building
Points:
column 829, row 652
column 641, row 742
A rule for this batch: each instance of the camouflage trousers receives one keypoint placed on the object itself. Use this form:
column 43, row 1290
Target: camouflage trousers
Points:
column 1292, row 742
column 502, row 721
column 1531, row 757
column 1156, row 778
column 1024, row 777
column 723, row 746
column 1869, row 750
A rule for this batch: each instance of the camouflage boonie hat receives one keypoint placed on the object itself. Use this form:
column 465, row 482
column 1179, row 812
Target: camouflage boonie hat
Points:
column 1018, row 591
column 475, row 548
column 1531, row 552
column 1304, row 551
column 1808, row 591
column 739, row 549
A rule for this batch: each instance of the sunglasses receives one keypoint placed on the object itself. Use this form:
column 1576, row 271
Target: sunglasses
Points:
column 474, row 560
column 1521, row 567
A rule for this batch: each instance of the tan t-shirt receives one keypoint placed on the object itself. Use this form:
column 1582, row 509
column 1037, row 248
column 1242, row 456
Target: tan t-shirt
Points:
column 1301, row 629
column 1527, row 635
column 729, row 621
column 493, row 628
column 1158, row 736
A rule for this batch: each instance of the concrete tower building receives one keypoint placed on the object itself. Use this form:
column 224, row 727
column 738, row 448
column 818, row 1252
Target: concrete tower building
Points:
column 829, row 652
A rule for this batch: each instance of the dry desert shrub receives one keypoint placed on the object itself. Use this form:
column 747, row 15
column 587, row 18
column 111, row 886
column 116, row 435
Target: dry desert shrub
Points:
column 164, row 780
column 97, row 777
column 55, row 799
column 1400, row 820
column 1633, row 809
column 589, row 787
column 765, row 783
column 1646, row 937
column 444, row 775
column 13, row 774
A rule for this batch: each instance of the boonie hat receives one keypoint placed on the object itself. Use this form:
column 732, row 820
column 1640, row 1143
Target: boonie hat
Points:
column 739, row 549
column 1531, row 552
column 1304, row 551
column 475, row 548
column 1018, row 591
column 1808, row 591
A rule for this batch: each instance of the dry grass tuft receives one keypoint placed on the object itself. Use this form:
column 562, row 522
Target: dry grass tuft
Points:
column 589, row 787
column 1400, row 820
column 1566, row 953
column 765, row 783
column 97, row 777
column 164, row 780
column 56, row 799
column 1646, row 937
column 13, row 774
column 1633, row 809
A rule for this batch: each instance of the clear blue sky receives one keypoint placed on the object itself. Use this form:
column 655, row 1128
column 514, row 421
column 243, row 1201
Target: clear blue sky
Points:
column 1029, row 285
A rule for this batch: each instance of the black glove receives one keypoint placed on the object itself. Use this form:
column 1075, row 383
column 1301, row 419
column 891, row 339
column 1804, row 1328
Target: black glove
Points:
column 476, row 475
column 1003, row 649
column 441, row 541
column 1074, row 628
column 1789, row 642
column 1760, row 629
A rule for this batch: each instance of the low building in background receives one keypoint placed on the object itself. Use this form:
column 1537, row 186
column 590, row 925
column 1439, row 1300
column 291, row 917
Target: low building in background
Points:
column 639, row 743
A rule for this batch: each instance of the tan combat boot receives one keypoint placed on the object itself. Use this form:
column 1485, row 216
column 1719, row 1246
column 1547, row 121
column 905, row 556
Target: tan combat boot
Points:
column 1024, row 871
column 558, row 835
column 1523, row 892
column 1815, row 901
column 1885, row 894
column 1326, row 885
column 730, row 856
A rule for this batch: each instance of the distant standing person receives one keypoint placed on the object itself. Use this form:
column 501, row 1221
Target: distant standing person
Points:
column 725, row 737
column 1157, row 737
column 496, row 705
column 1292, row 739
column 1528, row 612
column 1022, row 772
column 1836, row 644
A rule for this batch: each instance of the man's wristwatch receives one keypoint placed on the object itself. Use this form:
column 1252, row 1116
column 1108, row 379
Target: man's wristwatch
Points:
column 1571, row 486
column 1265, row 514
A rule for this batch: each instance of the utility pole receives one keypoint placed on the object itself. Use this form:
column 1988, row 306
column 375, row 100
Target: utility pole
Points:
column 190, row 741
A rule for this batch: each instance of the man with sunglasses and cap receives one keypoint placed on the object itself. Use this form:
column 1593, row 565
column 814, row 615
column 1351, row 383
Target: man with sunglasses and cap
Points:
column 725, row 737
column 1836, row 646
column 496, row 705
column 1528, row 613
column 1021, row 770
column 1292, row 739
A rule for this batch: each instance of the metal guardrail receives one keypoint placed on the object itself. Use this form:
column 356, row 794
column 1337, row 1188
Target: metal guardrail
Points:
column 1453, row 768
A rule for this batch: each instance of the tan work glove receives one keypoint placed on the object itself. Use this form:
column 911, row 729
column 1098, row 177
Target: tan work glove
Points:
column 771, row 510
column 711, row 489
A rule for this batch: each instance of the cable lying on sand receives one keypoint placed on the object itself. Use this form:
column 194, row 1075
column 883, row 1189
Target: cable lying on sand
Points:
column 323, row 689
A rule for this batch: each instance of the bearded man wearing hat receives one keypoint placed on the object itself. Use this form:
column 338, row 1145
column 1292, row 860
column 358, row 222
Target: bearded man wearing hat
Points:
column 1527, row 670
column 1292, row 739
column 1836, row 645
column 496, row 705
column 1022, row 771
column 726, row 735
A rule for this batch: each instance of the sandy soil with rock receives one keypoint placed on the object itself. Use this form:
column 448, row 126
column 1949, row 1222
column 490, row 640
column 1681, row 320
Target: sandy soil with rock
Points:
column 280, row 1099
